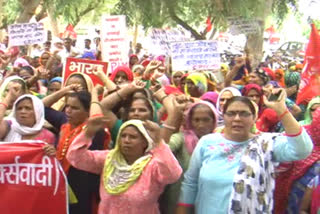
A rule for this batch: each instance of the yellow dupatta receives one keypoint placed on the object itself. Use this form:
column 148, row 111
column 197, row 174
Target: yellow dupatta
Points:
column 118, row 176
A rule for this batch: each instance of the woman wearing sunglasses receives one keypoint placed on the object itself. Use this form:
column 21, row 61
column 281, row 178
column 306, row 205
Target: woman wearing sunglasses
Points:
column 233, row 172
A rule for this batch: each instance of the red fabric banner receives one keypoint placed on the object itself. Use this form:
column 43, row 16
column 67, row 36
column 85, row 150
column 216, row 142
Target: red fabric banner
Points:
column 69, row 32
column 31, row 182
column 310, row 78
column 83, row 66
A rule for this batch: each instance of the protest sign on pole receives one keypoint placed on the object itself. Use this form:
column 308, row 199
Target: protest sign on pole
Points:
column 197, row 55
column 115, row 47
column 239, row 25
column 30, row 181
column 161, row 39
column 26, row 34
column 84, row 66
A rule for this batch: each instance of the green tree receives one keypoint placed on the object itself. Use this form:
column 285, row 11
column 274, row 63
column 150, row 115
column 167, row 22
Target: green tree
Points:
column 71, row 11
column 191, row 15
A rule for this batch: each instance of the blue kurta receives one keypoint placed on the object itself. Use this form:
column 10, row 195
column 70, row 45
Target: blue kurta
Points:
column 208, row 181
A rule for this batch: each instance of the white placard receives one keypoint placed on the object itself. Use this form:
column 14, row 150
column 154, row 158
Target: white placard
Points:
column 26, row 34
column 161, row 38
column 243, row 26
column 197, row 55
column 115, row 47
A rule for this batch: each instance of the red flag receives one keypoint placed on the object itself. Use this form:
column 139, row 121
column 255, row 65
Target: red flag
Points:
column 209, row 24
column 69, row 32
column 310, row 77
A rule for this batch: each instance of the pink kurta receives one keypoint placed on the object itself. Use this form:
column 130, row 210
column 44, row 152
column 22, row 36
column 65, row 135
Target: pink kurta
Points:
column 141, row 197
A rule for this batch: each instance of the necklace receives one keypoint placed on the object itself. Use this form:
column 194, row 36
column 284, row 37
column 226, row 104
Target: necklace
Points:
column 62, row 150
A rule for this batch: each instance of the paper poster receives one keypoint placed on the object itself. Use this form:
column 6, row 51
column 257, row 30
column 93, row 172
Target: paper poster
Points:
column 84, row 66
column 197, row 55
column 26, row 34
column 161, row 39
column 114, row 45
column 243, row 26
column 30, row 181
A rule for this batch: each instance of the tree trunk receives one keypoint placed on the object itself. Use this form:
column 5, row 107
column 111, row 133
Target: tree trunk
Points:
column 135, row 35
column 254, row 45
column 29, row 9
column 2, row 15
column 53, row 22
column 254, row 42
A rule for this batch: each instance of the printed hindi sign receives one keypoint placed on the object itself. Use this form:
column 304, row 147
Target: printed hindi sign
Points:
column 84, row 66
column 30, row 181
column 115, row 47
column 161, row 38
column 240, row 25
column 197, row 55
column 26, row 34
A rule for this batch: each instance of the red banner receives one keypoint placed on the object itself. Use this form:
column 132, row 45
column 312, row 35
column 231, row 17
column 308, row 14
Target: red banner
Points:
column 31, row 182
column 310, row 78
column 84, row 66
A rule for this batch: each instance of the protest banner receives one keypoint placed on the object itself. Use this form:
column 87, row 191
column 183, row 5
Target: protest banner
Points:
column 161, row 39
column 115, row 47
column 26, row 34
column 240, row 25
column 84, row 66
column 310, row 77
column 30, row 181
column 197, row 55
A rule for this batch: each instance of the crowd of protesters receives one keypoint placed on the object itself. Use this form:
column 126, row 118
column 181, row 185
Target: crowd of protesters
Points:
column 155, row 140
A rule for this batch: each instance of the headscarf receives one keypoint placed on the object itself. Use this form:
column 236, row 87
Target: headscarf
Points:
column 133, row 55
column 56, row 79
column 210, row 96
column 135, row 67
column 234, row 92
column 292, row 79
column 224, row 69
column 280, row 72
column 245, row 91
column 40, row 59
column 298, row 168
column 199, row 80
column 17, row 131
column 211, row 79
column 60, row 104
column 125, row 69
column 86, row 78
column 263, row 76
column 5, row 83
column 307, row 115
column 269, row 72
column 182, row 78
column 190, row 137
column 20, row 62
column 116, row 167
column 172, row 75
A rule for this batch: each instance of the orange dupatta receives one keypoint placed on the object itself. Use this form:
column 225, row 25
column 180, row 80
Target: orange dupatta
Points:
column 67, row 135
